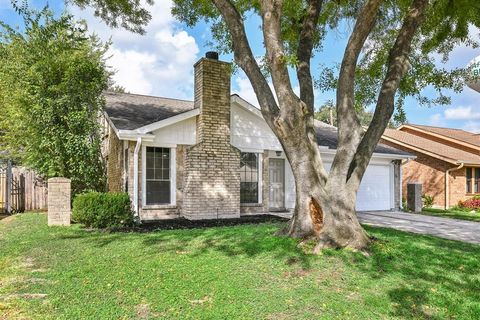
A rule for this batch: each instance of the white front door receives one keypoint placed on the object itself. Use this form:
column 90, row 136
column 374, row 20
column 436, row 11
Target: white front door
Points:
column 277, row 184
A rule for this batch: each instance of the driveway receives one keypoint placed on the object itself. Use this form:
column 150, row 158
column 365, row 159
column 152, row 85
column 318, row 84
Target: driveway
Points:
column 466, row 231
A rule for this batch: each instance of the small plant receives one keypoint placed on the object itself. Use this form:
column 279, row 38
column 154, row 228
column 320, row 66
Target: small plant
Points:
column 103, row 210
column 470, row 204
column 428, row 201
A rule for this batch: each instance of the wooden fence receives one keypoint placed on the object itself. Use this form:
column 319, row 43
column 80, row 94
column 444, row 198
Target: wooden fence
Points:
column 21, row 190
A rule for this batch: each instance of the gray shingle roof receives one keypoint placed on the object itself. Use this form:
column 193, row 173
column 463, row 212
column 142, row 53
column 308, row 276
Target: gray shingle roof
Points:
column 132, row 111
column 327, row 137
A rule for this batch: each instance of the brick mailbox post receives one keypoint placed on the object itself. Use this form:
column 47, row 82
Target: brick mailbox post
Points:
column 414, row 197
column 59, row 207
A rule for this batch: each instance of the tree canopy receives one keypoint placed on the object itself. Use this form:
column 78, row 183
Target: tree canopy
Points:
column 52, row 75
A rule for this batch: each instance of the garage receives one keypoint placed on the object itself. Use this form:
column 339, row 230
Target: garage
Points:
column 376, row 189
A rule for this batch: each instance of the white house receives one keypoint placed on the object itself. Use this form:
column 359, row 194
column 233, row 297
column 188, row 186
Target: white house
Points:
column 215, row 157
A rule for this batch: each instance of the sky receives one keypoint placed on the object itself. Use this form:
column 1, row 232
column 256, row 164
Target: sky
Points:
column 160, row 63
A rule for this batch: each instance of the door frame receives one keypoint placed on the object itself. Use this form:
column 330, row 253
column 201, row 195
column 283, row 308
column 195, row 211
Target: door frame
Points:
column 283, row 207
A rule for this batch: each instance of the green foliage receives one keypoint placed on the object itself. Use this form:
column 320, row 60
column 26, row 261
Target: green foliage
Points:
column 52, row 76
column 428, row 200
column 103, row 210
column 328, row 114
column 126, row 14
column 447, row 25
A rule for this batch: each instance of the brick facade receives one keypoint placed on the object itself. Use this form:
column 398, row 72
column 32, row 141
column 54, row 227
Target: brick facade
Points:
column 430, row 172
column 112, row 152
column 212, row 178
column 59, row 204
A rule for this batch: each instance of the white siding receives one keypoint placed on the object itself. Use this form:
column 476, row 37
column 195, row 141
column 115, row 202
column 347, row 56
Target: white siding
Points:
column 250, row 132
column 183, row 132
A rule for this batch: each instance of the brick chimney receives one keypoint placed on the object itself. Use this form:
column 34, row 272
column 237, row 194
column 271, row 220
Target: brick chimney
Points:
column 212, row 178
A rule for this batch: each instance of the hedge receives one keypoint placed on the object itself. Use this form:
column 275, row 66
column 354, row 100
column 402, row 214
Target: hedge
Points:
column 103, row 210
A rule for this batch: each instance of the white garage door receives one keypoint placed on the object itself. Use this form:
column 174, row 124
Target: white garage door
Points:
column 375, row 191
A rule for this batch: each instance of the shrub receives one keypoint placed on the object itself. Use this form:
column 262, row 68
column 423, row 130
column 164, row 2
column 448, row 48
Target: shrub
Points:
column 428, row 201
column 471, row 204
column 103, row 210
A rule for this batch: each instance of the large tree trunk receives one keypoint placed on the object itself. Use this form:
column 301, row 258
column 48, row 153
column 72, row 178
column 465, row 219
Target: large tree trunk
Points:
column 326, row 213
column 324, row 208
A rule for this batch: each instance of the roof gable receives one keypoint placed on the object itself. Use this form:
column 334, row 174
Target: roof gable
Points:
column 430, row 147
column 458, row 136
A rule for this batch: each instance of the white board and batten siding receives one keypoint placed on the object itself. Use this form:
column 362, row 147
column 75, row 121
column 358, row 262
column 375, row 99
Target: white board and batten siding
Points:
column 183, row 132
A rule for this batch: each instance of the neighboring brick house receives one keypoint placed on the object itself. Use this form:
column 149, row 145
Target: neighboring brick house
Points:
column 447, row 161
column 215, row 157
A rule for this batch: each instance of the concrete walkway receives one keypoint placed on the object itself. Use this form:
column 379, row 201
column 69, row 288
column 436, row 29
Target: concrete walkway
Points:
column 466, row 231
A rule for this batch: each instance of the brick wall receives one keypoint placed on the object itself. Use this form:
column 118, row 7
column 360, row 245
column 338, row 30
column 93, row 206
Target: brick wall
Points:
column 59, row 208
column 113, row 155
column 431, row 173
column 212, row 178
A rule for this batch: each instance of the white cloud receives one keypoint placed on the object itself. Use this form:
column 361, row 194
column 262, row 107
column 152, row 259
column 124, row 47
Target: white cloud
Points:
column 437, row 120
column 472, row 126
column 245, row 89
column 462, row 113
column 158, row 63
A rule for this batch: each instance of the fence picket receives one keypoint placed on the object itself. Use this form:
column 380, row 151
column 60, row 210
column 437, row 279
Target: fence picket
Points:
column 27, row 191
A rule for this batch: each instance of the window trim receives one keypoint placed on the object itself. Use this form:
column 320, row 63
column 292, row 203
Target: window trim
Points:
column 260, row 179
column 173, row 176
column 472, row 171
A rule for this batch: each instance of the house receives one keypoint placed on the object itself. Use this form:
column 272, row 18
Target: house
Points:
column 215, row 157
column 447, row 161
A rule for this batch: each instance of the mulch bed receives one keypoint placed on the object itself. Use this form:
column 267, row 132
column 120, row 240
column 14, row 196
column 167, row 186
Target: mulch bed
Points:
column 182, row 223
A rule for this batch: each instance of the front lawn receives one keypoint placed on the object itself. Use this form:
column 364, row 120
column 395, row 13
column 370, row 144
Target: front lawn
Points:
column 452, row 213
column 239, row 272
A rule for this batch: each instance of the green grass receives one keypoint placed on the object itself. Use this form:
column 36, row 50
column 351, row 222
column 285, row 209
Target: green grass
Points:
column 241, row 272
column 455, row 214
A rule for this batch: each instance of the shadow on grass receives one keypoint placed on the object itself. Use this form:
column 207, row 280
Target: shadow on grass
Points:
column 432, row 272
column 251, row 236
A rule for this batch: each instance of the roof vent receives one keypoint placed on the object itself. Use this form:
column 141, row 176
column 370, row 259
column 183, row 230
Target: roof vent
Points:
column 211, row 55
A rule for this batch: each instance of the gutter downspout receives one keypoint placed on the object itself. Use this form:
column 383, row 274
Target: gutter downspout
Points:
column 447, row 184
column 402, row 163
column 135, row 176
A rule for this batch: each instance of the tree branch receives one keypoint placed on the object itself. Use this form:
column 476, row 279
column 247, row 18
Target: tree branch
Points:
column 271, row 17
column 398, row 65
column 349, row 128
column 304, row 52
column 245, row 59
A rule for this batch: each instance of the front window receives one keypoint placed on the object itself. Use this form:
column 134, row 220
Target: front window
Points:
column 249, row 167
column 157, row 176
column 476, row 182
column 469, row 180
column 472, row 180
